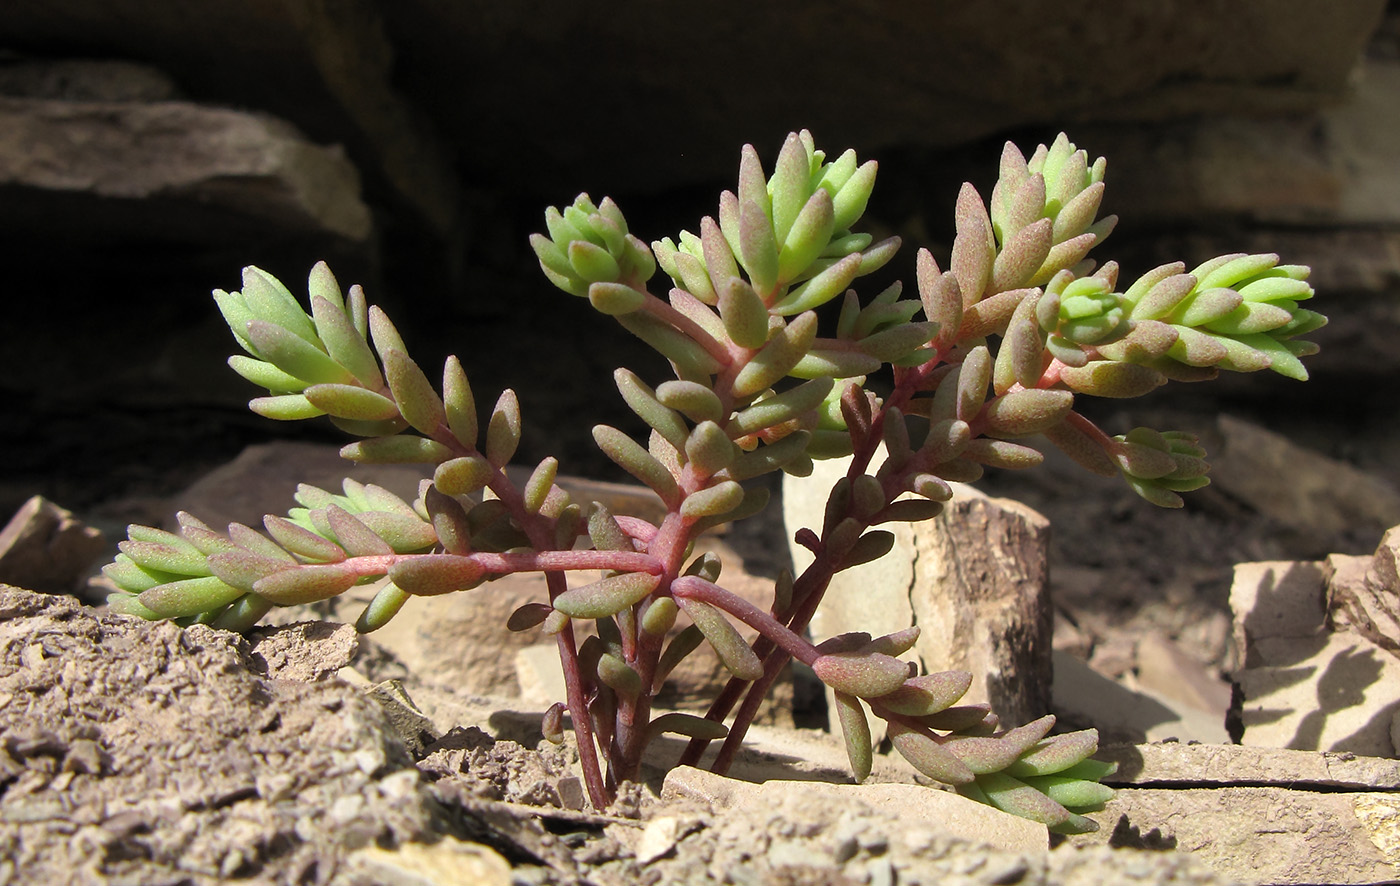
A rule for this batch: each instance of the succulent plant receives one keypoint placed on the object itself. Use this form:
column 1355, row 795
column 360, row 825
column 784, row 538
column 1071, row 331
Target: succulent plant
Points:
column 1020, row 325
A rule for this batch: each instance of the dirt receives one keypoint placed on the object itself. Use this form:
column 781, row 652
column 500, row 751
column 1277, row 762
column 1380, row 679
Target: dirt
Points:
column 139, row 753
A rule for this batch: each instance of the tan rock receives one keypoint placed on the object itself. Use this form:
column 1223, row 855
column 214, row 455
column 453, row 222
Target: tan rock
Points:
column 914, row 804
column 973, row 579
column 1184, row 763
column 45, row 548
column 447, row 862
column 1262, row 834
column 1122, row 712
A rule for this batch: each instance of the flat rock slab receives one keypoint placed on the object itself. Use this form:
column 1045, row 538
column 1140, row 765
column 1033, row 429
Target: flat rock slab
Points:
column 1260, row 815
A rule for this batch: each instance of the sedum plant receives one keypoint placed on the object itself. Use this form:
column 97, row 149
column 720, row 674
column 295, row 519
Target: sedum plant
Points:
column 987, row 363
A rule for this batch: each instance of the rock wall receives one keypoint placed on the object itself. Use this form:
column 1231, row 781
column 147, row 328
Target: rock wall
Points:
column 147, row 152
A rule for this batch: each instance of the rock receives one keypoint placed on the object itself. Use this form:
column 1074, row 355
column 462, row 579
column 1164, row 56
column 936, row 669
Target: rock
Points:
column 1166, row 670
column 1319, row 642
column 1085, row 698
column 973, row 579
column 447, row 862
column 140, row 752
column 954, row 815
column 1171, row 63
column 195, row 159
column 46, row 548
column 305, row 652
column 1324, row 503
column 1302, row 818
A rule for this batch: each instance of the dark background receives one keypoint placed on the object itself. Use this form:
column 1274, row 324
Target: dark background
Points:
column 150, row 150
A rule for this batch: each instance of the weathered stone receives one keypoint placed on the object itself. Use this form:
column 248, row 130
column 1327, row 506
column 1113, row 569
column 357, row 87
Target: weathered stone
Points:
column 446, row 862
column 246, row 165
column 973, row 579
column 1192, row 764
column 45, row 548
column 1319, row 669
column 327, row 68
column 1166, row 670
column 1085, row 698
column 306, row 651
column 1169, row 62
column 1262, row 834
column 953, row 814
column 1323, row 502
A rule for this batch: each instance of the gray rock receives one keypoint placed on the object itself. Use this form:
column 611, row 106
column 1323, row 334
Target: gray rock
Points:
column 248, row 166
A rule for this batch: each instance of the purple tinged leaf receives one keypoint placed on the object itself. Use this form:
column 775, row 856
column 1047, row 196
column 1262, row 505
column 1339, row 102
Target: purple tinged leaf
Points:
column 242, row 569
column 867, row 496
column 1056, row 754
column 807, row 238
column 708, row 449
column 1025, row 206
column 1251, row 318
column 615, row 299
column 463, row 475
column 780, row 408
column 541, row 480
column 643, row 401
column 1163, row 297
column 990, row 316
column 946, row 441
column 1020, row 258
column 552, row 725
column 733, row 652
column 688, row 725
column 458, row 403
column 820, row 289
column 243, row 613
column 910, row 510
column 790, row 184
column 189, row 596
column 302, row 541
column 993, row 753
column 306, row 584
column 295, row 355
column 264, row 374
column 928, row 756
column 1002, row 454
column 690, row 358
column 503, row 429
column 271, row 302
column 1205, row 305
column 405, row 534
column 851, row 641
column 695, row 278
column 351, row 402
column 427, row 575
column 414, row 394
column 659, row 617
column 1196, row 348
column 974, row 248
column 1232, row 269
column 743, row 312
column 898, row 341
column 769, row 457
column 932, row 488
column 180, row 558
column 613, row 671
column 387, row 602
column 1025, row 412
column 632, row 458
column 713, row 501
column 862, row 674
column 1018, row 798
column 1063, row 256
column 355, row 537
column 1078, row 213
column 1107, row 378
column 605, row 532
column 831, row 363
column 897, row 643
column 285, row 407
column 344, row 343
column 758, row 250
column 927, row 694
column 256, row 543
column 855, row 729
column 960, row 718
column 778, row 357
column 396, row 450
column 607, row 596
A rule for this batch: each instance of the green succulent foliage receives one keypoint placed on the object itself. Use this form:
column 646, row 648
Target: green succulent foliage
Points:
column 991, row 355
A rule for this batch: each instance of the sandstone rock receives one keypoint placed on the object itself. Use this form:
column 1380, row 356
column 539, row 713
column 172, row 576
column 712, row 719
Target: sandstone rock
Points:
column 973, row 580
column 46, row 548
column 327, row 70
column 1187, row 764
column 1085, row 698
column 447, row 862
column 954, row 815
column 1320, row 671
column 305, row 652
column 246, row 165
